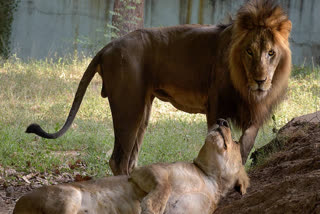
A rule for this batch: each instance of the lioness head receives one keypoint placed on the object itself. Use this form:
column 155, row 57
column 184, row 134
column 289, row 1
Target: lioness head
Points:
column 260, row 56
column 220, row 157
column 226, row 151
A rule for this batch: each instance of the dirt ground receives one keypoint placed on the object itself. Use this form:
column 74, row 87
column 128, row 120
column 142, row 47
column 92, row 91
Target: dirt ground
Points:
column 288, row 181
column 21, row 183
column 8, row 197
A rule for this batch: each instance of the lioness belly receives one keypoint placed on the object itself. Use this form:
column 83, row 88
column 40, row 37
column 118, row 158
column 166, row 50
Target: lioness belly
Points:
column 189, row 203
column 107, row 195
column 110, row 195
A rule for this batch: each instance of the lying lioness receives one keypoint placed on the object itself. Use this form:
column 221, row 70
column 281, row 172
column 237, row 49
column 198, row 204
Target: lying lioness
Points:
column 158, row 188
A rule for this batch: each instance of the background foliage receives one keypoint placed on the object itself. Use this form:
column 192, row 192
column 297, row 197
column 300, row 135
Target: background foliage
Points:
column 7, row 8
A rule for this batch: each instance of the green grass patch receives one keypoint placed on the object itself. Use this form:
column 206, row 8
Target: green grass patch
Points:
column 42, row 92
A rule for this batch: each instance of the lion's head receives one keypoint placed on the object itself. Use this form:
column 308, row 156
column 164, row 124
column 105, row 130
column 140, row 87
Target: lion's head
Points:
column 260, row 57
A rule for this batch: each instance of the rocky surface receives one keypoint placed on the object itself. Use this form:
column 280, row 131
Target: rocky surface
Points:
column 288, row 180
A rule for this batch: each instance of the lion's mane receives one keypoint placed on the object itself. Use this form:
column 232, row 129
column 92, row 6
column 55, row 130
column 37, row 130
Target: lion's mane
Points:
column 263, row 14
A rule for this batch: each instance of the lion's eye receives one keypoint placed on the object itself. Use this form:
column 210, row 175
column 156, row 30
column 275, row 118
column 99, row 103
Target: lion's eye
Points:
column 271, row 53
column 249, row 51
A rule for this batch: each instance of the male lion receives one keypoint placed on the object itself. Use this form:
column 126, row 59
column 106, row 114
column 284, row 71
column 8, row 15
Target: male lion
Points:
column 238, row 71
column 158, row 188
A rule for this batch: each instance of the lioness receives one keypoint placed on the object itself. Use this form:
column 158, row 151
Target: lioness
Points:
column 238, row 71
column 158, row 188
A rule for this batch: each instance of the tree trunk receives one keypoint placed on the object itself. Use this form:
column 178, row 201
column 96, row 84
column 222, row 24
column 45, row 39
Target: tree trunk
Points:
column 200, row 14
column 189, row 12
column 127, row 16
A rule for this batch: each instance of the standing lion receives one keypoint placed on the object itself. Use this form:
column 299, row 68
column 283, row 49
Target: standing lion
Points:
column 238, row 71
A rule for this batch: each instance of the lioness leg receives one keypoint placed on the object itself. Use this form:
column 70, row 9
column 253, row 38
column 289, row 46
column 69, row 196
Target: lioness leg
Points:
column 139, row 139
column 154, row 180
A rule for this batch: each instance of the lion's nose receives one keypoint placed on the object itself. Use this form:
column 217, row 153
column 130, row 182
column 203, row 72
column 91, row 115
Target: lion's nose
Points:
column 259, row 82
column 223, row 122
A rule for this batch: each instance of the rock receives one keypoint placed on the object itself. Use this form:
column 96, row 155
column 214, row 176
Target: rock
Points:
column 9, row 191
column 288, row 181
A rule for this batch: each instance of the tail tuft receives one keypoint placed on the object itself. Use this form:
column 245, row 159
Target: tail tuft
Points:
column 33, row 128
column 36, row 129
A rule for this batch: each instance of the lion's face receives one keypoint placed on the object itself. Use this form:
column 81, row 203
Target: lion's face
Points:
column 260, row 57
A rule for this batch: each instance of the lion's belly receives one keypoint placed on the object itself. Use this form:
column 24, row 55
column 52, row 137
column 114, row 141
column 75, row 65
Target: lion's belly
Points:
column 191, row 102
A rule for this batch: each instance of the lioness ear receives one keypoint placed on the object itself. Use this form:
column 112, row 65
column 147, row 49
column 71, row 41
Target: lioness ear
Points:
column 242, row 182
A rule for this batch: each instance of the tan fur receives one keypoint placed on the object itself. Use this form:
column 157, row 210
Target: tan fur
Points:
column 199, row 69
column 177, row 188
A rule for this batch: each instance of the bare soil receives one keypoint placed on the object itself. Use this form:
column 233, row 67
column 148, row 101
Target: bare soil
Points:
column 288, row 180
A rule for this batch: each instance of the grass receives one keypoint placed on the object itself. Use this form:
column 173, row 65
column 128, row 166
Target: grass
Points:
column 42, row 92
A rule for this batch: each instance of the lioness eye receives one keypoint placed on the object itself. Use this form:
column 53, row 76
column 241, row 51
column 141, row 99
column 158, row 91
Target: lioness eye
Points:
column 249, row 51
column 271, row 53
column 225, row 146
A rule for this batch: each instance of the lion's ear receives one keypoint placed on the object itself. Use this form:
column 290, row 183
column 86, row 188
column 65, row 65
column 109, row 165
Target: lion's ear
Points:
column 285, row 28
column 242, row 182
column 279, row 21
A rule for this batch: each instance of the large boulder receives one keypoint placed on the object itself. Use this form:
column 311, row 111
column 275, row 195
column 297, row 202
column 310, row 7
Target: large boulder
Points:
column 287, row 176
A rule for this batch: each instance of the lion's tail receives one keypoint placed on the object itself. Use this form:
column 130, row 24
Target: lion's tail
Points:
column 83, row 85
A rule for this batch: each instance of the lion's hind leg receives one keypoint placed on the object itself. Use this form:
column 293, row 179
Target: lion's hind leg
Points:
column 140, row 135
column 130, row 113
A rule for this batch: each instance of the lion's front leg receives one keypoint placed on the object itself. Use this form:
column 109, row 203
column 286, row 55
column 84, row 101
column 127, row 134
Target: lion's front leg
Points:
column 154, row 180
column 247, row 141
